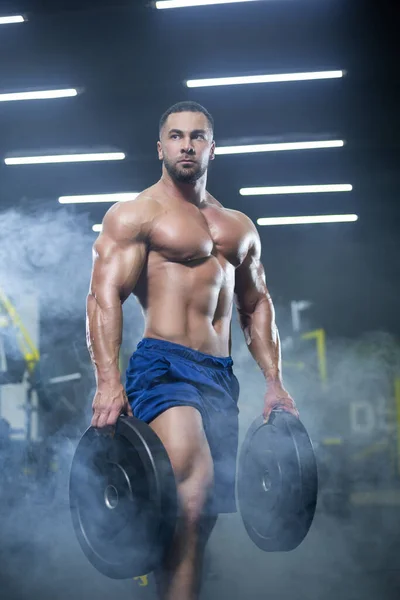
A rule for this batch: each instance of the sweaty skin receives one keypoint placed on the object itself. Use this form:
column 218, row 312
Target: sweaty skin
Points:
column 186, row 265
column 187, row 260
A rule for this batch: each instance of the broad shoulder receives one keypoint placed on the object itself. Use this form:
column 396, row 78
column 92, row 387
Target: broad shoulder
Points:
column 236, row 214
column 244, row 221
column 249, row 234
column 132, row 219
column 244, row 224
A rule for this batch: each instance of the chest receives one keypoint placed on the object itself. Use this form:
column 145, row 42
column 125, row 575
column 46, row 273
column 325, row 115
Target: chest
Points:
column 184, row 236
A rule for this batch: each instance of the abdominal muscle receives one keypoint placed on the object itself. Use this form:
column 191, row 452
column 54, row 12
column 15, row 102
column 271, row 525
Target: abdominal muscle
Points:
column 189, row 303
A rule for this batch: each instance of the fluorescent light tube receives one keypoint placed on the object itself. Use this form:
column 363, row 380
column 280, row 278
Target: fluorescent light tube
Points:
column 295, row 189
column 307, row 220
column 10, row 20
column 65, row 158
column 195, row 83
column 281, row 147
column 42, row 95
column 98, row 198
column 187, row 3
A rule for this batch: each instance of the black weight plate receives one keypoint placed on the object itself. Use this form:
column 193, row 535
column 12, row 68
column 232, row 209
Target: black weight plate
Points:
column 277, row 482
column 123, row 499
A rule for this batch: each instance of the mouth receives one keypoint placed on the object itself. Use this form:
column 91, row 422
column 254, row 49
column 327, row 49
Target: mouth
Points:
column 188, row 161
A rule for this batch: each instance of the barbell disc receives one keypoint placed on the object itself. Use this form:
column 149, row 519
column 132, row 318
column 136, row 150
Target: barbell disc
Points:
column 277, row 482
column 123, row 499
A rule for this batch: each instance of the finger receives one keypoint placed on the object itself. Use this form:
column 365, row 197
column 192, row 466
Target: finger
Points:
column 127, row 407
column 102, row 420
column 95, row 419
column 286, row 404
column 279, row 407
column 271, row 407
column 113, row 417
column 266, row 414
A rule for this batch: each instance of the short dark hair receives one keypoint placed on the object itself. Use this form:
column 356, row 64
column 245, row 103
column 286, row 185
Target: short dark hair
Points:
column 187, row 106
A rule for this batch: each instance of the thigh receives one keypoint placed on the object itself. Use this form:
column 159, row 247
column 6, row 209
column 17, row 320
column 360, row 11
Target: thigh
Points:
column 181, row 431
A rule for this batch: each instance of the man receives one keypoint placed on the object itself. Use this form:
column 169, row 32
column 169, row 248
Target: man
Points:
column 186, row 259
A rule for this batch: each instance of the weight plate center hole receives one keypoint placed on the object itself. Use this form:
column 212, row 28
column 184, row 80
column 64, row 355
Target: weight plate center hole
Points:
column 111, row 497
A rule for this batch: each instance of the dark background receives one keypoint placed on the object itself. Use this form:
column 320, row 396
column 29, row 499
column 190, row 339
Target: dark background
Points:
column 131, row 61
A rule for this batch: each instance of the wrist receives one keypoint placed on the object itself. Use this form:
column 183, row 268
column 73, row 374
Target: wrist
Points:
column 108, row 378
column 275, row 386
column 273, row 380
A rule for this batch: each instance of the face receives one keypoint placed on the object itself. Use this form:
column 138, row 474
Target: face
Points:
column 186, row 146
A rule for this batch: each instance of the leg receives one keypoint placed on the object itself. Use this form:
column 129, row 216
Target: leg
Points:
column 207, row 525
column 181, row 431
column 164, row 577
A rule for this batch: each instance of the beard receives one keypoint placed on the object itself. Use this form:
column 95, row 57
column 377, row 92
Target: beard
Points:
column 181, row 174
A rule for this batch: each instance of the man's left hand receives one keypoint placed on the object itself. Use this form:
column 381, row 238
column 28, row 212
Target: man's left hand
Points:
column 278, row 397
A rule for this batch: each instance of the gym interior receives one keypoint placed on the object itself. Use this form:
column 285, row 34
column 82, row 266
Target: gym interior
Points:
column 304, row 97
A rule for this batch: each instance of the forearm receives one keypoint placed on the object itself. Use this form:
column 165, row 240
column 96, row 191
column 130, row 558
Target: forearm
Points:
column 263, row 340
column 104, row 337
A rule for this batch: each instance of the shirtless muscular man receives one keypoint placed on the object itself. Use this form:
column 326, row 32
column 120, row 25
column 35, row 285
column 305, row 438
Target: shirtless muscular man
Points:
column 187, row 259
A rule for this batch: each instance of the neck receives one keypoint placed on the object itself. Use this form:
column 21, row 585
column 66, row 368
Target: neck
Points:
column 195, row 193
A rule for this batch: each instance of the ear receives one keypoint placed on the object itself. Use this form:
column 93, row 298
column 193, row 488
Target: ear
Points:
column 212, row 151
column 160, row 152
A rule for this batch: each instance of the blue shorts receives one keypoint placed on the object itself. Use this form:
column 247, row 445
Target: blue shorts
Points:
column 161, row 375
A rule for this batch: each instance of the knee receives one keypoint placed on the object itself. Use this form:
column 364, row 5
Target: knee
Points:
column 193, row 494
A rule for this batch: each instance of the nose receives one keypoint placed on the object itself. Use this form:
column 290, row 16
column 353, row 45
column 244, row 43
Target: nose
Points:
column 187, row 146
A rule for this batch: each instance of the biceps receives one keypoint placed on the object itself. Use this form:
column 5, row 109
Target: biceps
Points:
column 116, row 271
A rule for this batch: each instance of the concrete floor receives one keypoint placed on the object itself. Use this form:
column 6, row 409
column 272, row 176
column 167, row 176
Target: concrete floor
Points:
column 353, row 558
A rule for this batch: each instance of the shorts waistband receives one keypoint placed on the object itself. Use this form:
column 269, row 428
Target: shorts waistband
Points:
column 206, row 360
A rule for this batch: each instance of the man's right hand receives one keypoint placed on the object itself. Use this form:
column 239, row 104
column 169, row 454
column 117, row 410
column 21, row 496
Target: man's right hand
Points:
column 109, row 403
